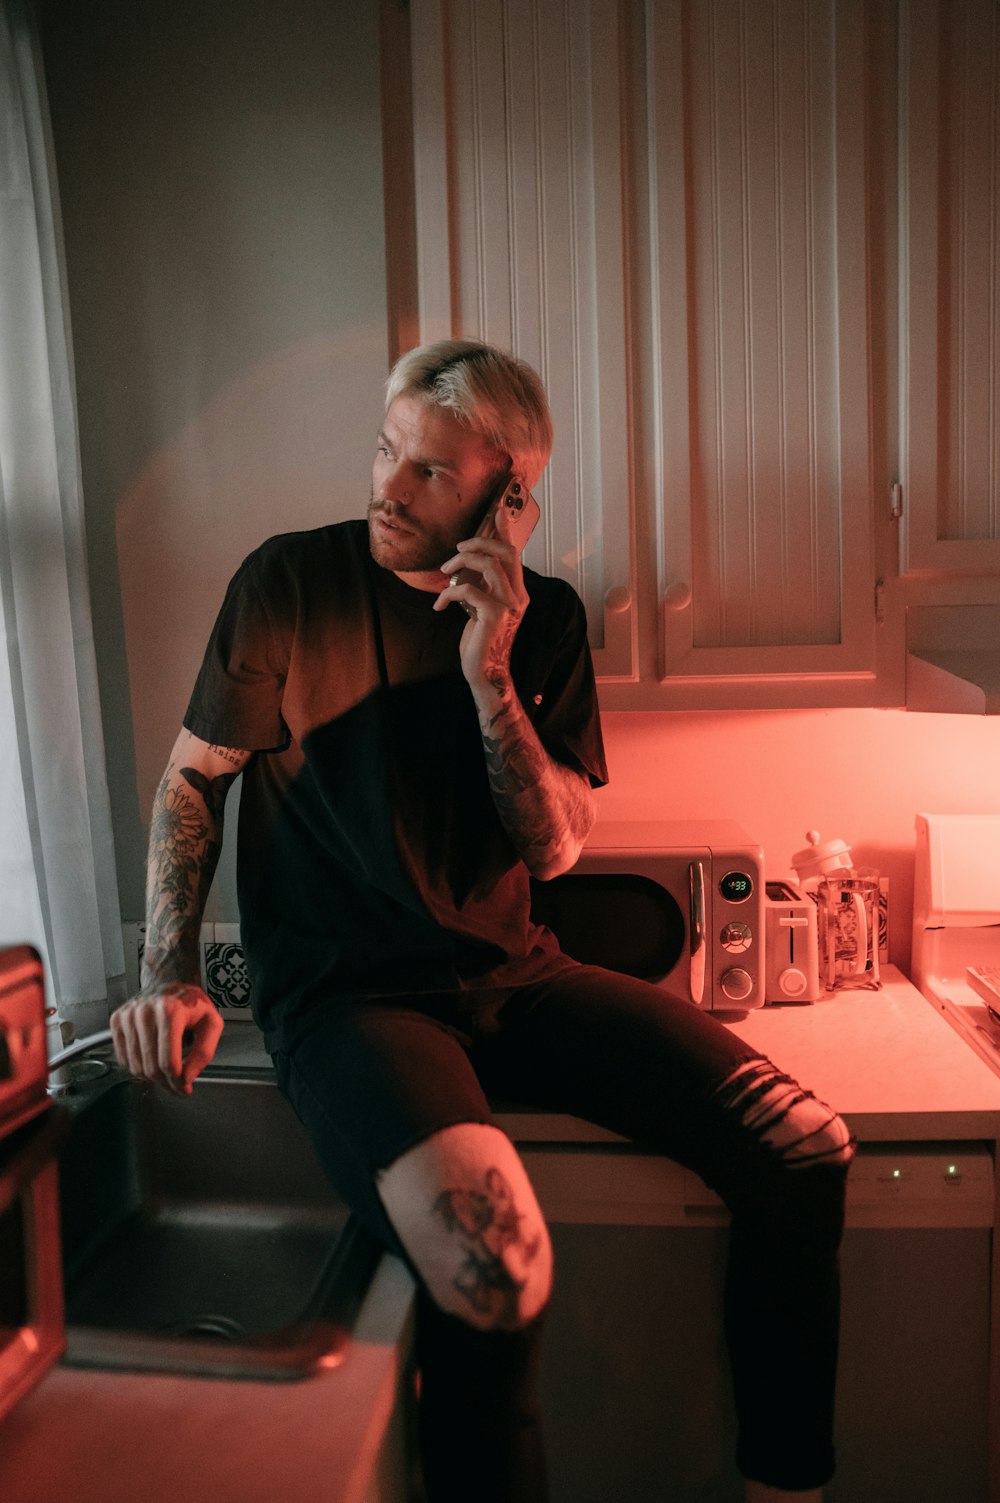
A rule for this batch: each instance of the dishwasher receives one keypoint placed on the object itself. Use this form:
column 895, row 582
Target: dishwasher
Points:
column 636, row 1379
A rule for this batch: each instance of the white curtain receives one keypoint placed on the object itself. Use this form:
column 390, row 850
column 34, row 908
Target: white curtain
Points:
column 58, row 888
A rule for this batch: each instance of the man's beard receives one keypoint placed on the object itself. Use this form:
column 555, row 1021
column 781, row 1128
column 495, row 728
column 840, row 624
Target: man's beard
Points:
column 419, row 549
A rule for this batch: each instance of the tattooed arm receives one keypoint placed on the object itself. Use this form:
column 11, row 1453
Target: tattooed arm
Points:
column 545, row 807
column 184, row 845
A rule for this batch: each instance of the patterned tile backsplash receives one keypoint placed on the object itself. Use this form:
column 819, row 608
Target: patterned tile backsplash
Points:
column 223, row 969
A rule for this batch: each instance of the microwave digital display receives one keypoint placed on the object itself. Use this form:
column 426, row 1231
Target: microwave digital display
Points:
column 736, row 887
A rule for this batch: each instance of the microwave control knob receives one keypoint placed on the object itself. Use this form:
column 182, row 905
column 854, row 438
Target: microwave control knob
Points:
column 737, row 984
column 737, row 937
column 792, row 982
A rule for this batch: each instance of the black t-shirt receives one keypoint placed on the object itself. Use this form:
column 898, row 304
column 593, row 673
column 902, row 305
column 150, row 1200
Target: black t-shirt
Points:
column 371, row 859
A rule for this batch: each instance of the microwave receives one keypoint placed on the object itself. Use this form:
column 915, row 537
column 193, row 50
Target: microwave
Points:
column 678, row 903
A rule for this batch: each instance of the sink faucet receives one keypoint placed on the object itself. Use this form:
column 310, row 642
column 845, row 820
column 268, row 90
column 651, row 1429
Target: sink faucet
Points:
column 60, row 1080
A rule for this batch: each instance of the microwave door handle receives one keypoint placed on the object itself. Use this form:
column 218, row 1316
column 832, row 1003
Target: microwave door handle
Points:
column 696, row 883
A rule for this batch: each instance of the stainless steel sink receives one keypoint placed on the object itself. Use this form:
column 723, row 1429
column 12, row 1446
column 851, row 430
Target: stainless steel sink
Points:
column 200, row 1235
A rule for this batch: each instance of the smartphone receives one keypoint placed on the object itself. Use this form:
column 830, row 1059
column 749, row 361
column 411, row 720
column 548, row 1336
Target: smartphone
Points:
column 522, row 513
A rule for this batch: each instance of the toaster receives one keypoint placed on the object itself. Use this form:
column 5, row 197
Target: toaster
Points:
column 791, row 950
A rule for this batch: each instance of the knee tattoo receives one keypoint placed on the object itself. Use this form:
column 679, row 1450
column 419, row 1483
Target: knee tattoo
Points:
column 803, row 1130
column 500, row 1256
column 464, row 1210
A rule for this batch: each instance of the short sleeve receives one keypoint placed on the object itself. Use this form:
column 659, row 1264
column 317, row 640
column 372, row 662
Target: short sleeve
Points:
column 237, row 696
column 563, row 707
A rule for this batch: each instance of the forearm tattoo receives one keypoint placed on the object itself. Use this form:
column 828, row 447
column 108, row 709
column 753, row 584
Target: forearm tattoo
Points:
column 184, row 844
column 497, row 669
column 541, row 804
column 488, row 1226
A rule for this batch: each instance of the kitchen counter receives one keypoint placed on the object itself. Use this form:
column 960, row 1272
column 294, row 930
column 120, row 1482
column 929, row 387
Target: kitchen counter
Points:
column 887, row 1060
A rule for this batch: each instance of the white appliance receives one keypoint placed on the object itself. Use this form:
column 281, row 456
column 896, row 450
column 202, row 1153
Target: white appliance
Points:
column 679, row 903
column 956, row 920
column 792, row 946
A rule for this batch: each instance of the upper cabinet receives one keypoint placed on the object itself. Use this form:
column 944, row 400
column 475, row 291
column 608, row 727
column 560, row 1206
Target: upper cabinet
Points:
column 949, row 56
column 752, row 249
column 759, row 278
column 950, row 175
column 518, row 207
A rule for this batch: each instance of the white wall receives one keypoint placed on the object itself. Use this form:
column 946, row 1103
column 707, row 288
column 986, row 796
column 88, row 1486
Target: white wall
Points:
column 220, row 172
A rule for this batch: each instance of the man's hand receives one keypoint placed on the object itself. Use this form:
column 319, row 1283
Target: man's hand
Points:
column 496, row 604
column 150, row 1030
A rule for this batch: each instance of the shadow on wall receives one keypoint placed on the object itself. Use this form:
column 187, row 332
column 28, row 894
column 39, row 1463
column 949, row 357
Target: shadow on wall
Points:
column 286, row 446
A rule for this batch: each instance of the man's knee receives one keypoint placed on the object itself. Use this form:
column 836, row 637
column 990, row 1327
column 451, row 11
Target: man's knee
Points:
column 801, row 1130
column 463, row 1208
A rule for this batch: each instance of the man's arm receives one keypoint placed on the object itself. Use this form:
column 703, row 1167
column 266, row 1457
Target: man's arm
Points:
column 184, row 845
column 545, row 807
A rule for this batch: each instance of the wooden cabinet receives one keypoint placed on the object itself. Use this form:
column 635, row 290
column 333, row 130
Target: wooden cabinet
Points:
column 950, row 236
column 752, row 250
column 759, row 276
column 949, row 353
column 518, row 232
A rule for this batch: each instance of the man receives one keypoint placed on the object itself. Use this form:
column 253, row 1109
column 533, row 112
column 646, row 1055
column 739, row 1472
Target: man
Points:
column 415, row 720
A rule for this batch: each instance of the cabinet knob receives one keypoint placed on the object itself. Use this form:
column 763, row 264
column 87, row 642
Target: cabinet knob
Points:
column 677, row 596
column 618, row 599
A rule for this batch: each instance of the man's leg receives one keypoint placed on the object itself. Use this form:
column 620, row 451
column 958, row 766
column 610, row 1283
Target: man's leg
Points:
column 403, row 1130
column 621, row 1053
column 467, row 1216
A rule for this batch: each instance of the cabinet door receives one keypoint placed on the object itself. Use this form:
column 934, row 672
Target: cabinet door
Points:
column 519, row 232
column 760, row 268
column 663, row 205
column 950, row 226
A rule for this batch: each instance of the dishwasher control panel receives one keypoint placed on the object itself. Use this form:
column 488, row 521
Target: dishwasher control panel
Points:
column 921, row 1185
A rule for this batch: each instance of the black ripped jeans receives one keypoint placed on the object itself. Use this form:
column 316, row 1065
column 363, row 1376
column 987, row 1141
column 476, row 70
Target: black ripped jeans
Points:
column 372, row 1077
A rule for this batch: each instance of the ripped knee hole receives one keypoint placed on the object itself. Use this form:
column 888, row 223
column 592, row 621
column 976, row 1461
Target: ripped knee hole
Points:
column 773, row 1106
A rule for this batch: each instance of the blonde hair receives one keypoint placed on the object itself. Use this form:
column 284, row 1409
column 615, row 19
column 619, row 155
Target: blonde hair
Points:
column 497, row 394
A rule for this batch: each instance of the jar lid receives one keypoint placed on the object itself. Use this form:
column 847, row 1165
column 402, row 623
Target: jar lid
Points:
column 820, row 857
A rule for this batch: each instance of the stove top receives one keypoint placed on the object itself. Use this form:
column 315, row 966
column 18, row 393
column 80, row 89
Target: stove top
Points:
column 967, row 1011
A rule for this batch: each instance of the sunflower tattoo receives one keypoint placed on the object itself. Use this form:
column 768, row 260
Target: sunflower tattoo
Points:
column 185, row 841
